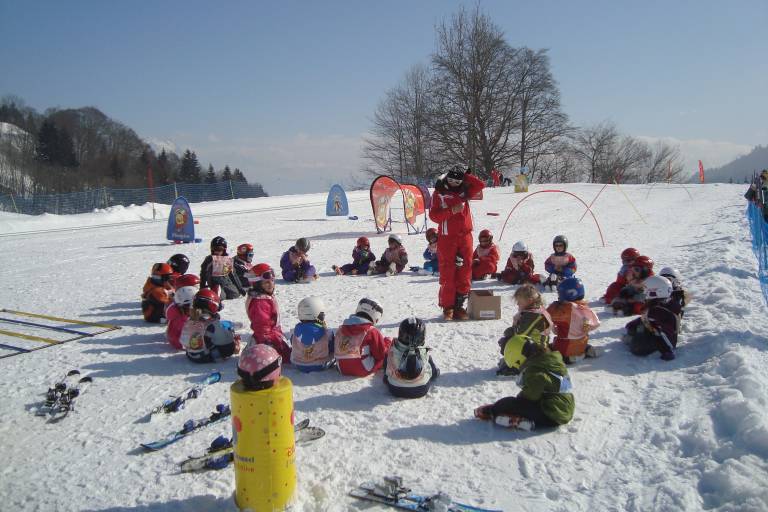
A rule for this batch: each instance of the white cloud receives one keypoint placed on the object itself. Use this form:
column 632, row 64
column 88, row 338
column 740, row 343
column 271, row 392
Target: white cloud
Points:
column 712, row 153
column 159, row 144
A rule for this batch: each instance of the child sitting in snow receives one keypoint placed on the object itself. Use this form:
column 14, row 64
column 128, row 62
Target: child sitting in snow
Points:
column 560, row 264
column 531, row 320
column 295, row 264
column 520, row 266
column 545, row 398
column 409, row 370
column 394, row 259
column 572, row 320
column 631, row 300
column 216, row 272
column 242, row 263
column 157, row 293
column 680, row 297
column 628, row 257
column 179, row 264
column 263, row 311
column 485, row 258
column 177, row 313
column 359, row 347
column 312, row 341
column 205, row 337
column 430, row 253
column 362, row 257
column 658, row 326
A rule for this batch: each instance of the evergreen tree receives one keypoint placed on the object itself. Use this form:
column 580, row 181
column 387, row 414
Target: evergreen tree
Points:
column 163, row 176
column 65, row 149
column 210, row 176
column 226, row 175
column 190, row 168
column 116, row 170
column 46, row 142
column 238, row 176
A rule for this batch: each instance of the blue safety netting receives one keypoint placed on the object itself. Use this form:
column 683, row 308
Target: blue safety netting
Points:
column 759, row 229
column 89, row 200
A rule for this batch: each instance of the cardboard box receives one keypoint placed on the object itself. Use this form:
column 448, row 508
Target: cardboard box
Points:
column 484, row 305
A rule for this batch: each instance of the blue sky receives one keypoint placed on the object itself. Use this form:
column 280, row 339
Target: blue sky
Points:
column 286, row 90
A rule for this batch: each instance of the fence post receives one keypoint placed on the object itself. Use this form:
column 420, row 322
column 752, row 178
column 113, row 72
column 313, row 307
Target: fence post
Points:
column 175, row 191
column 231, row 191
column 14, row 204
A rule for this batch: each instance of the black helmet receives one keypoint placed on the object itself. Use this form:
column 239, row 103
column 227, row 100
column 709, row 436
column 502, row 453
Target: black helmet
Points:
column 302, row 244
column 560, row 239
column 179, row 263
column 218, row 241
column 456, row 173
column 412, row 332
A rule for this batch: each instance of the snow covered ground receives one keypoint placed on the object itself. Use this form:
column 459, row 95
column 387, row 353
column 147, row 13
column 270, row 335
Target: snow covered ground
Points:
column 691, row 434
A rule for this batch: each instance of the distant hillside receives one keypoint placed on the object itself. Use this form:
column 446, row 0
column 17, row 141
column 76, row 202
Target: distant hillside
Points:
column 739, row 169
column 68, row 150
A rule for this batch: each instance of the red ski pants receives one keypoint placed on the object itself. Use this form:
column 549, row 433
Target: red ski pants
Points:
column 454, row 280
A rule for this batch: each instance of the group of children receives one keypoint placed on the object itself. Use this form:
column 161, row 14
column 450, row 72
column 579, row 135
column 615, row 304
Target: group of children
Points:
column 358, row 348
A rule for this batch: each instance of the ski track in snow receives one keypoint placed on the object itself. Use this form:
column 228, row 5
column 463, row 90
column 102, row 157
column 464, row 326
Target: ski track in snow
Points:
column 690, row 434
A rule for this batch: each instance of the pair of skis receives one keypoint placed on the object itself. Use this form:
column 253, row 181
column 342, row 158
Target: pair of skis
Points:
column 221, row 413
column 221, row 453
column 392, row 492
column 60, row 399
column 177, row 402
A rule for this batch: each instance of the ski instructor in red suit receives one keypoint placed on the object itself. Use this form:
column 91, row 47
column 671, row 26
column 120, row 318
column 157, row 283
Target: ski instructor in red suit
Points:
column 450, row 211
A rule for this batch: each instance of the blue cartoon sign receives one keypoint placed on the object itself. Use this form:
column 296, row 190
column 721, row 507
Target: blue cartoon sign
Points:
column 181, row 225
column 337, row 202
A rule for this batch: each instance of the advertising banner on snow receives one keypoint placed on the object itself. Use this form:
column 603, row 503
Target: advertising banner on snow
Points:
column 382, row 190
column 413, row 203
column 337, row 204
column 181, row 225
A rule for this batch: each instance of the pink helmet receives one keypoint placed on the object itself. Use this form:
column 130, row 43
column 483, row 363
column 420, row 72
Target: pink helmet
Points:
column 259, row 366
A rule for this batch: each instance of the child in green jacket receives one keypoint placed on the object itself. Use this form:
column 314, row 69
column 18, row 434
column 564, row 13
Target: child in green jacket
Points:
column 545, row 398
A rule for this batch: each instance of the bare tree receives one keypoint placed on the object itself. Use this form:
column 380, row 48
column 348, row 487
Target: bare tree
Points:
column 401, row 144
column 665, row 163
column 592, row 147
column 476, row 108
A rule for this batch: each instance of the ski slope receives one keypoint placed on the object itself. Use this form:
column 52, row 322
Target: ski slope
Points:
column 690, row 434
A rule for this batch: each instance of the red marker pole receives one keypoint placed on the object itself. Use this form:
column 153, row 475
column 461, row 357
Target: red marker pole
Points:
column 151, row 184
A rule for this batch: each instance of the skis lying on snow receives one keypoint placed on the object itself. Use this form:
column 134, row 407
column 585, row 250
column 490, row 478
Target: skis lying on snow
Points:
column 221, row 452
column 222, row 412
column 60, row 399
column 392, row 492
column 174, row 403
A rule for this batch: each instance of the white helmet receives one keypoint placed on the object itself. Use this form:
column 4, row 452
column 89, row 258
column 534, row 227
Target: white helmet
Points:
column 669, row 272
column 371, row 309
column 519, row 247
column 185, row 295
column 396, row 238
column 657, row 287
column 312, row 309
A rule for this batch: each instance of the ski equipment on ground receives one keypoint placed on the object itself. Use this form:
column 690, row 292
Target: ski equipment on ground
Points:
column 222, row 412
column 221, row 452
column 175, row 403
column 392, row 492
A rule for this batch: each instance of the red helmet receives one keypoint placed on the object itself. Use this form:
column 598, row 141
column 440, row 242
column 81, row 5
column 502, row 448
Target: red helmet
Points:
column 259, row 272
column 644, row 262
column 207, row 300
column 187, row 280
column 431, row 233
column 363, row 242
column 629, row 254
column 485, row 234
column 245, row 252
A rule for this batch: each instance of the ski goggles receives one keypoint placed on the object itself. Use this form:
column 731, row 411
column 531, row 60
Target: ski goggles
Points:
column 454, row 182
column 269, row 275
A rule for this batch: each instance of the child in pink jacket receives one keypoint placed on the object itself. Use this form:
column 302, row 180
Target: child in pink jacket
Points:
column 177, row 313
column 263, row 311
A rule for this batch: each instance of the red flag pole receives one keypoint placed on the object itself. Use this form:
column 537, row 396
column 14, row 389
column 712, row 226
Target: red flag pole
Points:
column 151, row 184
column 701, row 172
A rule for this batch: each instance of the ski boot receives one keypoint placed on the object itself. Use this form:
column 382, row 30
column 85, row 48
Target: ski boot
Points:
column 484, row 412
column 459, row 313
column 392, row 269
column 338, row 270
column 447, row 314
